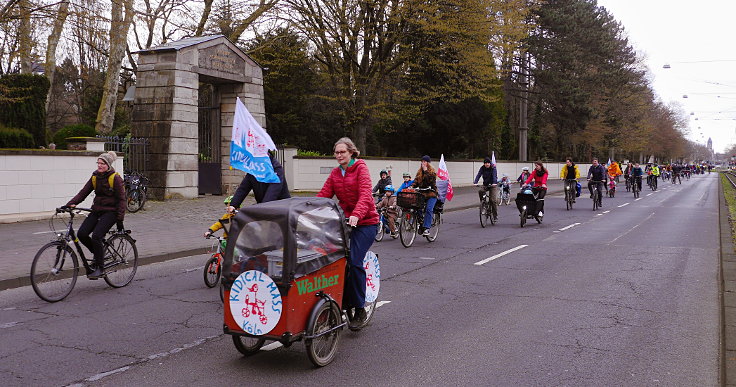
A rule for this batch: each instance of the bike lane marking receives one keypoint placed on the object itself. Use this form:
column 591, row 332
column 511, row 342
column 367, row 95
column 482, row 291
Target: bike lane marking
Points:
column 624, row 205
column 568, row 227
column 499, row 255
column 605, row 212
column 636, row 200
column 651, row 193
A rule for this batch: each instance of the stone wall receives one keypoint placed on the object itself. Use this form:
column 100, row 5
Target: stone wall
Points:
column 34, row 182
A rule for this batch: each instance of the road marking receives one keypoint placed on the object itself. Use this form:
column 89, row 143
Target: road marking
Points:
column 632, row 229
column 605, row 212
column 43, row 232
column 509, row 251
column 382, row 303
column 569, row 227
column 108, row 373
column 650, row 194
column 636, row 200
column 8, row 325
column 426, row 258
column 623, row 205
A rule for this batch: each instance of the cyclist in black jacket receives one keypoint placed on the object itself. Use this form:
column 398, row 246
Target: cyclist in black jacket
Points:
column 596, row 173
column 263, row 192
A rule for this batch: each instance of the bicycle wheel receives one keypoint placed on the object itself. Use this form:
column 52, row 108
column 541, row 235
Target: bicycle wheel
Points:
column 483, row 212
column 408, row 229
column 381, row 229
column 522, row 217
column 595, row 199
column 212, row 272
column 370, row 308
column 435, row 230
column 121, row 260
column 54, row 271
column 248, row 345
column 322, row 349
column 136, row 199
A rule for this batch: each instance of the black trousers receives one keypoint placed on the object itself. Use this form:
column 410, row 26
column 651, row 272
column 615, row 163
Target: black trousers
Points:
column 97, row 224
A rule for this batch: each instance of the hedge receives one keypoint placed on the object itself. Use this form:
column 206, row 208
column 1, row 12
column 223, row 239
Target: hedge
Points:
column 23, row 103
column 78, row 130
column 15, row 138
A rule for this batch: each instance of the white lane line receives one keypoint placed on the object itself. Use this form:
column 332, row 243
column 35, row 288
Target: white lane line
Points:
column 623, row 205
column 42, row 232
column 426, row 258
column 499, row 255
column 599, row 214
column 605, row 212
column 569, row 227
column 382, row 303
column 632, row 229
column 650, row 194
column 636, row 200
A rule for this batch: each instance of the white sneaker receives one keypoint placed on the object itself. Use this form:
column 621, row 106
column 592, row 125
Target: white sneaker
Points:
column 541, row 213
column 426, row 232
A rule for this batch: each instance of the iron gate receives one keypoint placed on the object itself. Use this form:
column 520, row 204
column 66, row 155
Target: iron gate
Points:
column 210, row 171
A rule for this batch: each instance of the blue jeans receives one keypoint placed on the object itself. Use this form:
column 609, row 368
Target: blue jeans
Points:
column 428, row 212
column 361, row 239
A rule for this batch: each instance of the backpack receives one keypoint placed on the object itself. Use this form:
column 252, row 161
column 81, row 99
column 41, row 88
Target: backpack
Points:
column 110, row 180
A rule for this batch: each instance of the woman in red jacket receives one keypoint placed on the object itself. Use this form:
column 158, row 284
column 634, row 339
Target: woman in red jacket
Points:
column 351, row 183
column 539, row 176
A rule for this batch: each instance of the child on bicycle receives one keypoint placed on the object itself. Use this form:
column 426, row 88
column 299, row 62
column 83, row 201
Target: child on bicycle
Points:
column 222, row 224
column 505, row 185
column 389, row 203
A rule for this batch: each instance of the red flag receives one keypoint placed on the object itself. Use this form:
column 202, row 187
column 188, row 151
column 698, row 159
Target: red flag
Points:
column 443, row 174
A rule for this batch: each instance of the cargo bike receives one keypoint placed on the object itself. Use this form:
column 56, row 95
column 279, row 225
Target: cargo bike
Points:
column 528, row 205
column 284, row 275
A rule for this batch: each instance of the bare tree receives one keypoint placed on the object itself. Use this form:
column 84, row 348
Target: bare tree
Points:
column 25, row 41
column 52, row 44
column 122, row 16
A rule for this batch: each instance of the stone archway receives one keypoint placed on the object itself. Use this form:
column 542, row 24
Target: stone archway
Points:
column 166, row 108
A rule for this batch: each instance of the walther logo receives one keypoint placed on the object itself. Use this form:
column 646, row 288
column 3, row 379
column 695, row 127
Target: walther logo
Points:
column 308, row 285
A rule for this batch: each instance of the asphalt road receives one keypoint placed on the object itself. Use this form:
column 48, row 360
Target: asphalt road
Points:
column 627, row 295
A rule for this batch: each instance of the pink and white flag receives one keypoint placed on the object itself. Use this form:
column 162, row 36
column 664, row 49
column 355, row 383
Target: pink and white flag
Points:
column 444, row 175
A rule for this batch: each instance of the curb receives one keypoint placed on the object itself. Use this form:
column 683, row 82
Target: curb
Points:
column 726, row 295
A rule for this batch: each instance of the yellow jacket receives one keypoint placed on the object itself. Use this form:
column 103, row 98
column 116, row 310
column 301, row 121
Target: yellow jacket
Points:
column 222, row 223
column 563, row 172
column 614, row 169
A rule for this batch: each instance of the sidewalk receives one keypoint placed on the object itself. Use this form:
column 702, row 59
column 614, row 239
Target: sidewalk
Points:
column 163, row 231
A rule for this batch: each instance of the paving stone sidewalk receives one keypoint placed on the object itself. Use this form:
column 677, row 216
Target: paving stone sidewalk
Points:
column 163, row 231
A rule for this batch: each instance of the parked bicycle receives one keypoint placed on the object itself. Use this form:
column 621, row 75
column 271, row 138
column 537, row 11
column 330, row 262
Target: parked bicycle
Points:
column 486, row 207
column 136, row 190
column 413, row 205
column 55, row 267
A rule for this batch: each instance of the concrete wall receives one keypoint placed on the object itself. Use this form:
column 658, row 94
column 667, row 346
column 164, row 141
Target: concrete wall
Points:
column 310, row 173
column 34, row 183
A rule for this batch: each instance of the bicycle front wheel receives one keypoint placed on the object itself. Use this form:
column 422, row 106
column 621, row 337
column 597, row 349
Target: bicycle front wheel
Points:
column 407, row 229
column 136, row 199
column 595, row 200
column 212, row 272
column 435, row 230
column 380, row 232
column 483, row 212
column 323, row 348
column 121, row 260
column 54, row 271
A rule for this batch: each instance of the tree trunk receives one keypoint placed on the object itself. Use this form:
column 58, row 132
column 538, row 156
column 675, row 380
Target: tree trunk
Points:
column 53, row 42
column 359, row 136
column 203, row 19
column 120, row 23
column 25, row 43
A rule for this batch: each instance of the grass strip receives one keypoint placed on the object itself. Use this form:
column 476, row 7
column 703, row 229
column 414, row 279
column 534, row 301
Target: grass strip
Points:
column 730, row 194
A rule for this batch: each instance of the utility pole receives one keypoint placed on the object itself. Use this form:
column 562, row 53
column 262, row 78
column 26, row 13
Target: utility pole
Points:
column 523, row 126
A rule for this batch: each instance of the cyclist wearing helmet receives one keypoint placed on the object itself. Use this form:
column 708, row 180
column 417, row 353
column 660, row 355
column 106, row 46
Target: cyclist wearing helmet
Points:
column 490, row 183
column 380, row 187
column 408, row 181
column 224, row 222
column 389, row 203
column 524, row 175
column 263, row 192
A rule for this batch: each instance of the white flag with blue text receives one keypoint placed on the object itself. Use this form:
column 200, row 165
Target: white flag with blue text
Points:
column 249, row 146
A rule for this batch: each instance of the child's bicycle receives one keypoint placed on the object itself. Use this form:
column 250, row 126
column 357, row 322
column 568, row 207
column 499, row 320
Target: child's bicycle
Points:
column 55, row 267
column 213, row 267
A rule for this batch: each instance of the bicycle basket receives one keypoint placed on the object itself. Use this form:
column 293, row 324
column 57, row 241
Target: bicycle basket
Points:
column 410, row 200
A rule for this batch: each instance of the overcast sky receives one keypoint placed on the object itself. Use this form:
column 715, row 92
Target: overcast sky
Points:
column 679, row 33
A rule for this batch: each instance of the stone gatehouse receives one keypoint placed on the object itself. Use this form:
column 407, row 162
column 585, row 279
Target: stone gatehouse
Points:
column 184, row 104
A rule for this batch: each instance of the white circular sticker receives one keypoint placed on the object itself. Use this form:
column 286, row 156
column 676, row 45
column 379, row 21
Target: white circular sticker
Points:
column 372, row 276
column 255, row 302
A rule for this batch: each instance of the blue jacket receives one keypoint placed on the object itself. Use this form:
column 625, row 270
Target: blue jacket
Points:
column 490, row 176
column 405, row 185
